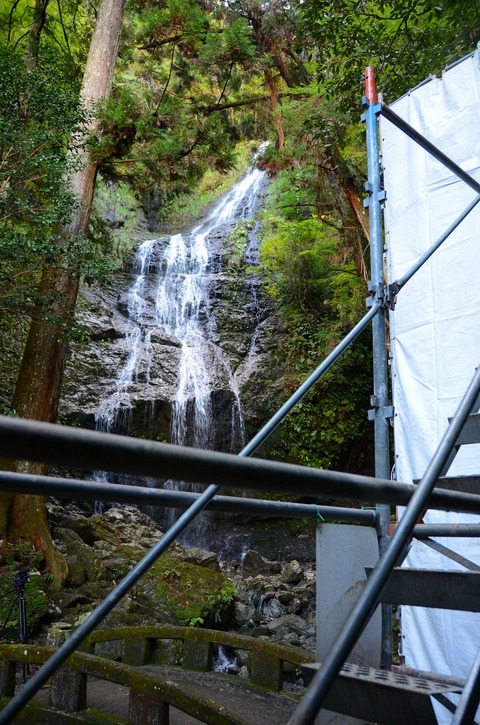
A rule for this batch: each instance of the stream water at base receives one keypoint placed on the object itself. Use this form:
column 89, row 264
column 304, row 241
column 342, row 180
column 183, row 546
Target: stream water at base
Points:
column 176, row 280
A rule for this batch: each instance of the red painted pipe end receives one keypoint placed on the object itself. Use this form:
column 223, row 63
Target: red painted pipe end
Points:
column 370, row 90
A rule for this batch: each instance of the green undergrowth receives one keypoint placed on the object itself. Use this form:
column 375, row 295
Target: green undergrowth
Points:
column 313, row 266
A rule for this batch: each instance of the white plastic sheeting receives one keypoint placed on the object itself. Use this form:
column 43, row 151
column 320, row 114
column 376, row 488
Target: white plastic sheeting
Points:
column 435, row 328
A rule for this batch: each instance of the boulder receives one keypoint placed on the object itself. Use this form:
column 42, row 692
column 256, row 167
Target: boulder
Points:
column 291, row 623
column 243, row 613
column 292, row 573
column 202, row 558
column 118, row 525
column 255, row 563
column 272, row 608
column 83, row 565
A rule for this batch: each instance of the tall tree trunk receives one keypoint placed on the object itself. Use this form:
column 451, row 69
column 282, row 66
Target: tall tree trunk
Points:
column 39, row 382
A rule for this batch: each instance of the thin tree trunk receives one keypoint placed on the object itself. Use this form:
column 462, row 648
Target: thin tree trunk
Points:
column 277, row 116
column 39, row 17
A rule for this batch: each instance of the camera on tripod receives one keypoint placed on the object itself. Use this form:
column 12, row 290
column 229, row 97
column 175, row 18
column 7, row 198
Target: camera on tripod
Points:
column 20, row 578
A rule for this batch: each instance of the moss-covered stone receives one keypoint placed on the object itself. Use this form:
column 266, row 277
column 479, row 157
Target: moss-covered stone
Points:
column 83, row 565
column 196, row 595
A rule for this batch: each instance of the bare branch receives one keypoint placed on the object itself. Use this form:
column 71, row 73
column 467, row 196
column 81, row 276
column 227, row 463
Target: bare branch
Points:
column 168, row 80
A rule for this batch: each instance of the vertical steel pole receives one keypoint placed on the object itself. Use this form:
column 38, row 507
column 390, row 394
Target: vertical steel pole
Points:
column 381, row 410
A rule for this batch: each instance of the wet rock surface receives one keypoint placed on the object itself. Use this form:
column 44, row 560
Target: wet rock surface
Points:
column 94, row 365
column 239, row 327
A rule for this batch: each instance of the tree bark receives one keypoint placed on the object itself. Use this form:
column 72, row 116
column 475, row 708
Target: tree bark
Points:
column 39, row 382
column 277, row 116
column 39, row 17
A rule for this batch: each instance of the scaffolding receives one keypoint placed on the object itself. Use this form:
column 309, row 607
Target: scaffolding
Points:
column 29, row 440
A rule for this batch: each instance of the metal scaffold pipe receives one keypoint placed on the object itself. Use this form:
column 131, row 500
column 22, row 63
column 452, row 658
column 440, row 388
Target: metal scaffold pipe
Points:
column 144, row 496
column 367, row 601
column 381, row 412
column 61, row 445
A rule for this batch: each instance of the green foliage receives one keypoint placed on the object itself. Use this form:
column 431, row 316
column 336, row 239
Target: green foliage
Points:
column 404, row 41
column 312, row 264
column 57, row 32
column 329, row 428
column 228, row 47
column 165, row 124
column 321, row 294
column 296, row 259
column 39, row 112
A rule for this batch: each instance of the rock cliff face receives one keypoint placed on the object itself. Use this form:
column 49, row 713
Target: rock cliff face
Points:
column 240, row 333
column 94, row 365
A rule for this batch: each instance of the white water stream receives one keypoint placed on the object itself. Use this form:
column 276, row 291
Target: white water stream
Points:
column 186, row 266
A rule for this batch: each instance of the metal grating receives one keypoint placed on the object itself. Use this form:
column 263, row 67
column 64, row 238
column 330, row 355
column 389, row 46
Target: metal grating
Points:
column 365, row 692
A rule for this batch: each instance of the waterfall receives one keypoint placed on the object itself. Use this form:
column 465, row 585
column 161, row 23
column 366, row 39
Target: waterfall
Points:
column 118, row 403
column 225, row 660
column 173, row 295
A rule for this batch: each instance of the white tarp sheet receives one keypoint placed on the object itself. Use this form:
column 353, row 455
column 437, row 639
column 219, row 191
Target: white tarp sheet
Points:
column 435, row 328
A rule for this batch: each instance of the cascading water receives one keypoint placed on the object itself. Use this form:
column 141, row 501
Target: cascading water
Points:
column 137, row 344
column 174, row 292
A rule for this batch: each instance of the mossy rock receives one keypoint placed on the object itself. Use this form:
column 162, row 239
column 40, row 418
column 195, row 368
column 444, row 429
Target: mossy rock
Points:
column 83, row 565
column 194, row 595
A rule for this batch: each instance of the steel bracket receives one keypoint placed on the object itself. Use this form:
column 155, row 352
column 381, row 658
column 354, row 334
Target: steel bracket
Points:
column 383, row 295
column 376, row 109
column 379, row 197
column 390, row 295
column 385, row 411
column 377, row 294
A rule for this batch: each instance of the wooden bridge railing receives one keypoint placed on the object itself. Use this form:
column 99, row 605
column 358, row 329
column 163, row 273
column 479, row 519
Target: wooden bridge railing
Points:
column 149, row 695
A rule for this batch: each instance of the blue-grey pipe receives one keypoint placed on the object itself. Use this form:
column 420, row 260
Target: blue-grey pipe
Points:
column 145, row 496
column 380, row 361
column 367, row 601
column 61, row 445
column 425, row 531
